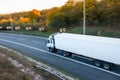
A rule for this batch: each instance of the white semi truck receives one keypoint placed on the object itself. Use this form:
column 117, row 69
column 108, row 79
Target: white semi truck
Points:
column 104, row 51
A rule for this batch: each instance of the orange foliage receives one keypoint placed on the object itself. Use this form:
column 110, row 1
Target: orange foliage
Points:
column 36, row 12
column 24, row 20
column 6, row 20
column 11, row 20
column 3, row 21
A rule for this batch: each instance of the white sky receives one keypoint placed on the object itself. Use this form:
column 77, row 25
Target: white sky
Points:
column 9, row 6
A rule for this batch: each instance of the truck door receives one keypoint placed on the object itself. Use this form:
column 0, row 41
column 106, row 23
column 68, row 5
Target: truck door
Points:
column 50, row 42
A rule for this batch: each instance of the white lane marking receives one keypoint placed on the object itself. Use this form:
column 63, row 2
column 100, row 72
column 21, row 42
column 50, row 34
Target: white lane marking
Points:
column 61, row 56
column 38, row 42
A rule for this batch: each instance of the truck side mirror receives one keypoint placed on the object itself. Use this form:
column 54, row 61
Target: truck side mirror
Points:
column 48, row 41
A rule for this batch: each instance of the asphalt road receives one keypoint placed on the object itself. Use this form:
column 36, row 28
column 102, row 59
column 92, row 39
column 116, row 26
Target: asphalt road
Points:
column 35, row 47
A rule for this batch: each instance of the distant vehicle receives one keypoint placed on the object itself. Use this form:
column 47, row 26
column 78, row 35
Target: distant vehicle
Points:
column 104, row 51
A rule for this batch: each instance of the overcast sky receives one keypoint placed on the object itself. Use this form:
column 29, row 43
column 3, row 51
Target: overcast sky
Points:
column 9, row 6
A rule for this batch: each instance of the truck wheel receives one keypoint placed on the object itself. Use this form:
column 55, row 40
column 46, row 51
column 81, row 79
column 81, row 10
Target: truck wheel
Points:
column 51, row 49
column 72, row 55
column 59, row 51
column 107, row 66
column 64, row 54
column 97, row 63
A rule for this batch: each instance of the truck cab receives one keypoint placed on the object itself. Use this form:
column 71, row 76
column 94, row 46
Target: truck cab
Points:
column 51, row 43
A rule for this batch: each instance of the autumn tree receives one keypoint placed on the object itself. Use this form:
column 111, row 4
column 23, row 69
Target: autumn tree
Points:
column 66, row 16
column 51, row 13
column 98, row 13
column 35, row 15
column 111, row 11
column 6, row 22
column 24, row 20
column 58, row 20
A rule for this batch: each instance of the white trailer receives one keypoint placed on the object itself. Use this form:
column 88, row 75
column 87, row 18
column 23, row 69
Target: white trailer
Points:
column 103, row 51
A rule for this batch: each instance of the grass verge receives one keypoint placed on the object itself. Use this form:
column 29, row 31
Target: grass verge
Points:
column 45, row 74
column 10, row 72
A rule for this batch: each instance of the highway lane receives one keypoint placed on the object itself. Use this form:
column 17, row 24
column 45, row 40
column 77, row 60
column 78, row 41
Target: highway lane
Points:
column 35, row 47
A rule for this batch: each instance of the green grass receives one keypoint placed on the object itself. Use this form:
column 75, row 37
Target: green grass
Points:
column 35, row 33
column 107, row 32
column 94, row 31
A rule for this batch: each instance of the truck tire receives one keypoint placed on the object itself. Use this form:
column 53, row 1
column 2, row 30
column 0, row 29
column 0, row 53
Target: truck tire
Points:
column 51, row 49
column 107, row 66
column 72, row 55
column 97, row 63
column 64, row 53
column 59, row 51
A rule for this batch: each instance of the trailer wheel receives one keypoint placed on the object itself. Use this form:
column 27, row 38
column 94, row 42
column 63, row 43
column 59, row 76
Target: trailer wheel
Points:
column 97, row 63
column 64, row 54
column 72, row 55
column 107, row 66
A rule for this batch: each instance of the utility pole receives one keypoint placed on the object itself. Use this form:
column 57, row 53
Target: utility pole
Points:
column 84, row 18
column 11, row 24
column 84, row 15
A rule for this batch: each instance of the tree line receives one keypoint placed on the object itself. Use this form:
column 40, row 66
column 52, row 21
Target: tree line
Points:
column 99, row 13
